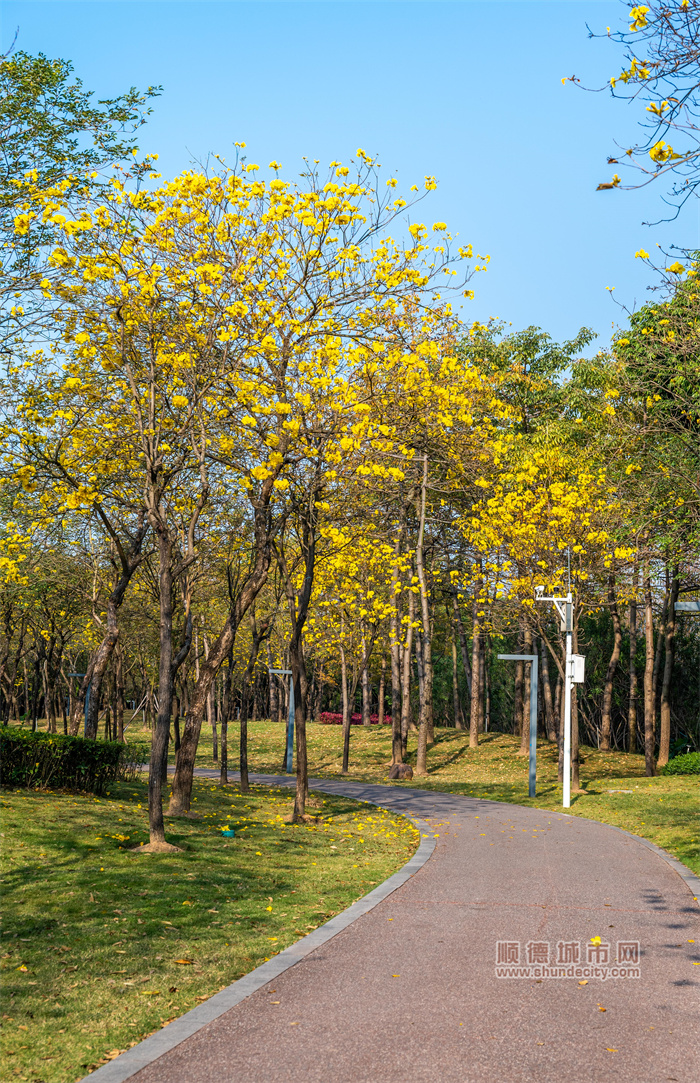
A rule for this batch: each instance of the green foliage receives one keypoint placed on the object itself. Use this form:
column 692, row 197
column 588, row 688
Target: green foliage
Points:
column 51, row 124
column 683, row 765
column 42, row 760
column 51, row 127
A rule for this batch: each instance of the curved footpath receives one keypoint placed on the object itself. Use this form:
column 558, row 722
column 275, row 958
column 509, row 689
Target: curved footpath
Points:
column 407, row 991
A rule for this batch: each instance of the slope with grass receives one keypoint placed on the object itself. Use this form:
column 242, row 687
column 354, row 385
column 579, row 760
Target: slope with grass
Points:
column 102, row 946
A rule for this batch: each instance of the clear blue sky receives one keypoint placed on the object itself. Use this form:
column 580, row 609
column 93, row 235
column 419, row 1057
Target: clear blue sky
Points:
column 470, row 92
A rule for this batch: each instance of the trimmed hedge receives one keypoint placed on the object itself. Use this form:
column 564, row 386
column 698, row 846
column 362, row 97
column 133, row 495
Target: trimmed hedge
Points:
column 683, row 765
column 41, row 760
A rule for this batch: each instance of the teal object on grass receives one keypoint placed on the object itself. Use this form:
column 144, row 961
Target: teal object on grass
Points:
column 229, row 833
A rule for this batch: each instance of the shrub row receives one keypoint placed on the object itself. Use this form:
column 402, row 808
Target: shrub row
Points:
column 41, row 760
column 332, row 718
column 689, row 764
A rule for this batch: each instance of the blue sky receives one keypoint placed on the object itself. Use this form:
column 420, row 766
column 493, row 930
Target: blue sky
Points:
column 469, row 92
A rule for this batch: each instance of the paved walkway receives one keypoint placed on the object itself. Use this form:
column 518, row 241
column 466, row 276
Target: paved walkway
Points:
column 408, row 993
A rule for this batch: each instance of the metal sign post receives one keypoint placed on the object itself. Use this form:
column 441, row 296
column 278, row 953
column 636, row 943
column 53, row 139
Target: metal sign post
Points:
column 290, row 716
column 534, row 661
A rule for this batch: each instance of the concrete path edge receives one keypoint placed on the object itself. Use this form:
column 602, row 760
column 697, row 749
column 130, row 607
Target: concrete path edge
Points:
column 130, row 1062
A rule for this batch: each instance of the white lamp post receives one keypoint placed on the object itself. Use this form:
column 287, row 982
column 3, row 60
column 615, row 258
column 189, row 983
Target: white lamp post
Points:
column 574, row 670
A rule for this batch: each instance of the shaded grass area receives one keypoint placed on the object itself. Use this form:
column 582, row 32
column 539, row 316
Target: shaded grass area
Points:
column 101, row 946
column 664, row 810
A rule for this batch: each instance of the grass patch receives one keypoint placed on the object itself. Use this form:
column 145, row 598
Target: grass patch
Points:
column 93, row 933
column 663, row 809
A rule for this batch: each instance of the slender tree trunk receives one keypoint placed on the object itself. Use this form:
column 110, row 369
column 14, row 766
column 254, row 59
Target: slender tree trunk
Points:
column 519, row 684
column 407, row 662
column 463, row 645
column 456, row 705
column 423, row 640
column 477, row 691
column 486, row 680
column 420, row 674
column 670, row 641
column 244, row 597
column 159, row 747
column 575, row 754
column 632, row 714
column 176, row 721
column 272, row 686
column 119, row 690
column 258, row 633
column 612, row 666
column 99, row 660
column 559, row 704
column 226, row 713
column 366, row 695
column 524, row 749
column 211, row 711
column 395, row 646
column 382, row 682
column 346, row 706
column 649, row 697
column 549, row 707
column 482, row 680
column 426, row 712
column 659, row 646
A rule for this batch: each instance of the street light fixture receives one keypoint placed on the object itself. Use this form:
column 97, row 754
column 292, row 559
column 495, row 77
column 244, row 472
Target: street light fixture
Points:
column 574, row 671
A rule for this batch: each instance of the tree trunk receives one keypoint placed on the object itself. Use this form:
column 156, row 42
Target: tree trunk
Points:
column 475, row 706
column 346, row 705
column 519, row 684
column 161, row 733
column 426, row 712
column 395, row 646
column 524, row 749
column 119, row 690
column 486, row 680
column 549, row 709
column 632, row 713
column 99, row 660
column 649, row 697
column 560, row 703
column 366, row 694
column 407, row 662
column 670, row 641
column 482, row 680
column 575, row 755
column 612, row 666
column 181, row 794
column 456, row 705
column 463, row 646
column 258, row 634
column 380, row 699
column 273, row 689
column 226, row 713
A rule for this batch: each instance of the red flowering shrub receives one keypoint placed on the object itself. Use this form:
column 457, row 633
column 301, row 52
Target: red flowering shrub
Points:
column 334, row 718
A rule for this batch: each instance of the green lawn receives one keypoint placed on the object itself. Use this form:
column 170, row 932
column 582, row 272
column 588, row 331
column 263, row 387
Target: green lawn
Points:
column 663, row 809
column 101, row 947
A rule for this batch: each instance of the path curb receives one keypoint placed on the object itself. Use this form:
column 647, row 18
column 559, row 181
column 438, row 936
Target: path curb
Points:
column 150, row 1049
